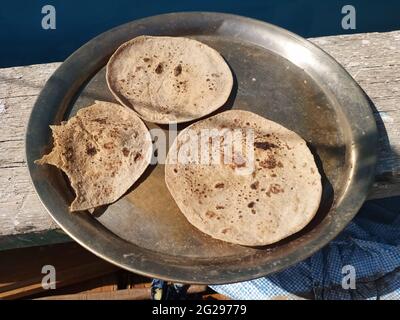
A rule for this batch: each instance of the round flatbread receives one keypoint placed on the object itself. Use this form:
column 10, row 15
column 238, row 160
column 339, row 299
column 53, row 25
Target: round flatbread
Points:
column 169, row 79
column 103, row 150
column 241, row 178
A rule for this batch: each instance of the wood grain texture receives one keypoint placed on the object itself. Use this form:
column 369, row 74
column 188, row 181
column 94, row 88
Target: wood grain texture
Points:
column 372, row 59
column 124, row 294
column 23, row 220
column 22, row 275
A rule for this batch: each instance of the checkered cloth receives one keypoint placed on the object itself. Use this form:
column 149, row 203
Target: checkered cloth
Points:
column 370, row 243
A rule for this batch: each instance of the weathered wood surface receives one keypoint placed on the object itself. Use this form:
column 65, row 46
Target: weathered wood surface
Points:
column 79, row 275
column 21, row 270
column 125, row 294
column 372, row 59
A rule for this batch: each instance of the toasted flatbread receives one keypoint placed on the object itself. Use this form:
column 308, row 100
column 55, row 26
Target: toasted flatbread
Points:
column 103, row 150
column 265, row 191
column 169, row 79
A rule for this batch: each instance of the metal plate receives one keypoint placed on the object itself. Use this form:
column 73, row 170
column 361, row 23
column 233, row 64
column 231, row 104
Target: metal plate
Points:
column 277, row 75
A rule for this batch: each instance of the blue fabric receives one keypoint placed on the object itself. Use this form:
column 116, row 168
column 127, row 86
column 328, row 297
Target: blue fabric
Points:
column 370, row 243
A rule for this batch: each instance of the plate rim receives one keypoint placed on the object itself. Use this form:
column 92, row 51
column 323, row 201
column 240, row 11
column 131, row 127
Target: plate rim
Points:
column 249, row 274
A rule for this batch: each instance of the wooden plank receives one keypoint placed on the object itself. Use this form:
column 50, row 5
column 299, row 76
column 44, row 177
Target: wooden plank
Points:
column 105, row 283
column 215, row 296
column 372, row 59
column 29, row 239
column 23, row 220
column 21, row 269
column 125, row 294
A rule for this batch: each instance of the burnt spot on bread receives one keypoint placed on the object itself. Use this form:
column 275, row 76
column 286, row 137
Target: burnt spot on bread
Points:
column 253, row 211
column 159, row 69
column 287, row 146
column 138, row 155
column 276, row 188
column 211, row 214
column 178, row 70
column 251, row 204
column 269, row 162
column 113, row 133
column 255, row 185
column 107, row 191
column 265, row 145
column 90, row 150
column 225, row 231
column 219, row 207
column 219, row 185
column 146, row 59
column 125, row 151
column 175, row 170
column 108, row 145
column 100, row 120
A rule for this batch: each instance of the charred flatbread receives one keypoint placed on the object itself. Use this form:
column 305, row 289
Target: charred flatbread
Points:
column 103, row 150
column 259, row 194
column 169, row 79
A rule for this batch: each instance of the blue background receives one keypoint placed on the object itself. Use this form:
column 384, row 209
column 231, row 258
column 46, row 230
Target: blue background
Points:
column 23, row 41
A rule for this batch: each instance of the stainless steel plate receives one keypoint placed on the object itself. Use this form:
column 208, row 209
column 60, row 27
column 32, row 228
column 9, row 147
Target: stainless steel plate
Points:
column 277, row 75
